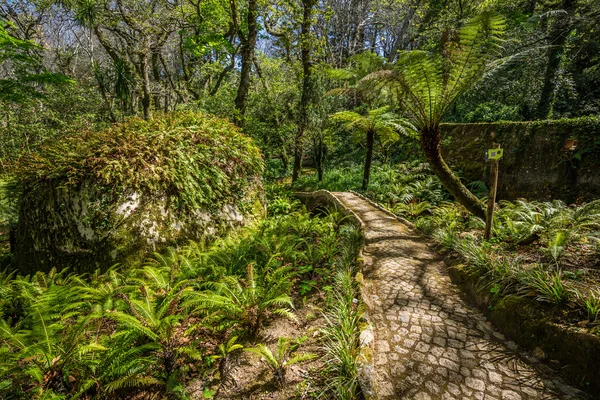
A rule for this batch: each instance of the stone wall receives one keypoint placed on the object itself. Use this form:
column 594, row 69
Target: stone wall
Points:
column 536, row 164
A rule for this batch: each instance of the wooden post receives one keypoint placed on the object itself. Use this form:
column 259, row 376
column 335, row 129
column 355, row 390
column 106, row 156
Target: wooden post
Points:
column 489, row 218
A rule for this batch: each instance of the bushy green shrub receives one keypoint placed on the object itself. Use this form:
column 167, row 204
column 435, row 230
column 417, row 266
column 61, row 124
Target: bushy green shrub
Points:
column 106, row 197
column 195, row 160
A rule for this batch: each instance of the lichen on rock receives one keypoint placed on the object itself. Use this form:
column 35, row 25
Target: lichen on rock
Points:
column 90, row 201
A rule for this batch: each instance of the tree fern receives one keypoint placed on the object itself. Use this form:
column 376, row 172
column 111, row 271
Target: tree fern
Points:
column 379, row 122
column 426, row 86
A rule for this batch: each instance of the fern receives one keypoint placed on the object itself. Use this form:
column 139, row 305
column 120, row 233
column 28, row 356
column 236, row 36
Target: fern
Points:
column 247, row 304
column 150, row 345
column 282, row 358
column 50, row 344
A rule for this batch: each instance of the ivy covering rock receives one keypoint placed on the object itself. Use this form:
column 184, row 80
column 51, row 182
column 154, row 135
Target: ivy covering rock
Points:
column 95, row 199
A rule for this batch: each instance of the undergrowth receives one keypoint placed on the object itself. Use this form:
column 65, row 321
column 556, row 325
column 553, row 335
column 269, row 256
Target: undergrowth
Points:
column 537, row 248
column 148, row 331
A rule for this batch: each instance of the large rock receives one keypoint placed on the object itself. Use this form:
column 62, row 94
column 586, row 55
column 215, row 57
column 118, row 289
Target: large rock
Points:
column 91, row 201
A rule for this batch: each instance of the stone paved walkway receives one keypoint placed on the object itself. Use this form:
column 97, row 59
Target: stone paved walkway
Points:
column 429, row 343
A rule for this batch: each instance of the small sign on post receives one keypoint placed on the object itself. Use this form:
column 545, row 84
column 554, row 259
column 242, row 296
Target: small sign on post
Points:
column 494, row 155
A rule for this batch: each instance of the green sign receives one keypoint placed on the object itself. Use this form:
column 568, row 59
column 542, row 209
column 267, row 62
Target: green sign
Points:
column 494, row 154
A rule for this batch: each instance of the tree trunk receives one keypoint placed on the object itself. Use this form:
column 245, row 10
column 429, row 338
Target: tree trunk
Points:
column 430, row 143
column 146, row 91
column 320, row 171
column 368, row 159
column 305, row 44
column 284, row 156
column 400, row 38
column 185, row 70
column 530, row 6
column 284, row 161
column 297, row 161
column 318, row 144
column 247, row 51
column 102, row 90
column 156, row 76
column 558, row 37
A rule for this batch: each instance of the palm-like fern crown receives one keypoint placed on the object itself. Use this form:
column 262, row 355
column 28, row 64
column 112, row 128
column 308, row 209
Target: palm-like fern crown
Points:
column 359, row 66
column 380, row 121
column 427, row 84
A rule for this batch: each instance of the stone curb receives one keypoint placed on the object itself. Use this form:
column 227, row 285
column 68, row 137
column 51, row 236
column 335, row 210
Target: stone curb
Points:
column 384, row 210
column 366, row 359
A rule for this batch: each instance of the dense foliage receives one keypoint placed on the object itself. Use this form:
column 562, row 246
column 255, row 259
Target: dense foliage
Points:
column 154, row 329
column 242, row 57
column 158, row 112
column 196, row 160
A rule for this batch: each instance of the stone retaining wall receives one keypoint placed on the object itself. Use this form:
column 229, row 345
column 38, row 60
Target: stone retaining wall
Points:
column 532, row 326
column 536, row 164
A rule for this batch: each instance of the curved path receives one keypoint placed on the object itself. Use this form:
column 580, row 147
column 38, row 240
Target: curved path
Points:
column 429, row 343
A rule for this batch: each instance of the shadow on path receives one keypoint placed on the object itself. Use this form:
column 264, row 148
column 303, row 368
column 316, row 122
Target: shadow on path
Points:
column 429, row 343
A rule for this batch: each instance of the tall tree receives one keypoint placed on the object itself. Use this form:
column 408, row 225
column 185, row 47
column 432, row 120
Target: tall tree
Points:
column 130, row 31
column 307, row 82
column 560, row 30
column 248, row 47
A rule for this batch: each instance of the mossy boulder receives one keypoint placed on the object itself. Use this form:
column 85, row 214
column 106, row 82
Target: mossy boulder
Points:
column 93, row 200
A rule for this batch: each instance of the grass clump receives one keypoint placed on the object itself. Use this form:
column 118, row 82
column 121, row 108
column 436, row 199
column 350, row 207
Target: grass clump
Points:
column 591, row 303
column 547, row 286
column 344, row 324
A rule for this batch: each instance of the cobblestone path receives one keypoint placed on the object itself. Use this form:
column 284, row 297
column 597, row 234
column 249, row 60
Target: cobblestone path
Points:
column 429, row 343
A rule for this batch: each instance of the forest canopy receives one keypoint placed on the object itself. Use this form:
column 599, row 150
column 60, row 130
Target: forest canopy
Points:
column 268, row 64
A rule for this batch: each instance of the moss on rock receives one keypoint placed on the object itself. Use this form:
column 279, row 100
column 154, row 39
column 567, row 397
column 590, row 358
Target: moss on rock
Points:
column 89, row 201
column 576, row 351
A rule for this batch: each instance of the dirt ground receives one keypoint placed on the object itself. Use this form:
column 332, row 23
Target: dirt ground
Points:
column 249, row 378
